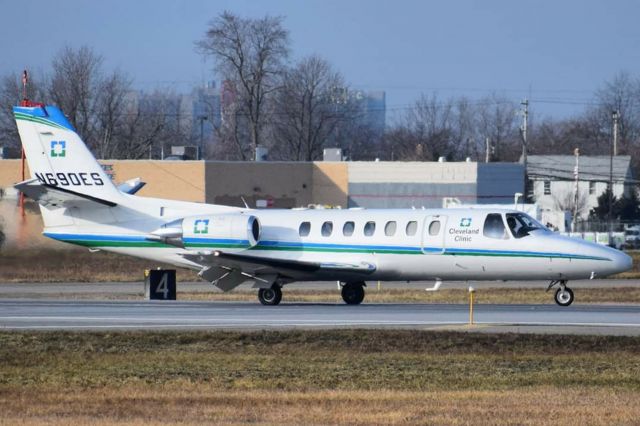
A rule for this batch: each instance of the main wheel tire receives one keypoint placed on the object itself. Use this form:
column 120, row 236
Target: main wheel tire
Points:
column 353, row 294
column 270, row 296
column 564, row 297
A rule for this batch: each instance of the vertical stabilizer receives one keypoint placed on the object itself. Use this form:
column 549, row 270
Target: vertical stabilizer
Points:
column 57, row 156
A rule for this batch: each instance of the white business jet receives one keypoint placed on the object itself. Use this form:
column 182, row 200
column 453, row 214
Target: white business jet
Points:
column 229, row 246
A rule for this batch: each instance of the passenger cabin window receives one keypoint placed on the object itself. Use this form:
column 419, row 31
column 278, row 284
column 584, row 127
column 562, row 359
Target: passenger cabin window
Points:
column 347, row 229
column 412, row 228
column 494, row 226
column 547, row 187
column 390, row 228
column 369, row 228
column 305, row 228
column 327, row 229
column 434, row 227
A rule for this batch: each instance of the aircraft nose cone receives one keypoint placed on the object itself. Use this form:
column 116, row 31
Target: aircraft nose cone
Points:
column 622, row 262
column 618, row 262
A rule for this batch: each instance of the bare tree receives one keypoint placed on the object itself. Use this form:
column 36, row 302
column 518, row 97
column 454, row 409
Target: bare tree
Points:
column 464, row 133
column 305, row 115
column 74, row 87
column 497, row 121
column 621, row 94
column 232, row 133
column 110, row 115
column 561, row 137
column 146, row 126
column 425, row 132
column 566, row 201
column 250, row 53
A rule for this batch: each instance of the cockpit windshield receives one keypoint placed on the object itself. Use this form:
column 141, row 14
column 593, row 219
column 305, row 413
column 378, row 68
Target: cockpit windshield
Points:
column 521, row 224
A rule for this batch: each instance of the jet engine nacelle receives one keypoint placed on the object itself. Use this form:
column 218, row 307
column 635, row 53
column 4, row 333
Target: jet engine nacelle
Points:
column 216, row 231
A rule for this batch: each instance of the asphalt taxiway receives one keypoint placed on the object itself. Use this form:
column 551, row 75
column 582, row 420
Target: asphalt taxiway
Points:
column 27, row 314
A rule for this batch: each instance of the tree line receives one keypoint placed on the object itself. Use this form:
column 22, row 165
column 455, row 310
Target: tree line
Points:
column 298, row 108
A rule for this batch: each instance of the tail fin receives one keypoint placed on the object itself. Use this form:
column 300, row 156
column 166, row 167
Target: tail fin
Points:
column 58, row 157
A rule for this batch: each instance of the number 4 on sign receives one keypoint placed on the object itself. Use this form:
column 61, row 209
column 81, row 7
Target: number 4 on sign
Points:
column 163, row 286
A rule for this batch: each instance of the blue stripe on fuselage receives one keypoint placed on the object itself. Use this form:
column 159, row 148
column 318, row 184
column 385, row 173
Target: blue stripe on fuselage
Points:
column 265, row 245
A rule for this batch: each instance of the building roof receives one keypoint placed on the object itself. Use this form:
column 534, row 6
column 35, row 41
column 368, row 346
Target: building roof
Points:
column 591, row 168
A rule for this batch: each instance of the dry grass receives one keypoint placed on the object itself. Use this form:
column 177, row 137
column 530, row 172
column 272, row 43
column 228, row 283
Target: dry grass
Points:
column 189, row 403
column 75, row 265
column 317, row 377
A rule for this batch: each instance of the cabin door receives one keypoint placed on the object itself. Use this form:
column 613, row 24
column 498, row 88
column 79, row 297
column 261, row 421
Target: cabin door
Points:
column 433, row 234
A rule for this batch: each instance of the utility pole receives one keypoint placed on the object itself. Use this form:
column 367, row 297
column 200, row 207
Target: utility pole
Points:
column 576, row 176
column 523, row 133
column 611, row 154
column 523, row 128
column 616, row 116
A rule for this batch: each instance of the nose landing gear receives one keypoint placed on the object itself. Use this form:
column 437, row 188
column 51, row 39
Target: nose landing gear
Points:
column 564, row 295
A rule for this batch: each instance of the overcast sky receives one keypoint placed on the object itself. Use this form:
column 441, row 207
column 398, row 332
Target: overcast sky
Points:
column 556, row 52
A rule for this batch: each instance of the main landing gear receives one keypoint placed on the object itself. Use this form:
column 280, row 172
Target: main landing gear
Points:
column 353, row 292
column 270, row 296
column 564, row 295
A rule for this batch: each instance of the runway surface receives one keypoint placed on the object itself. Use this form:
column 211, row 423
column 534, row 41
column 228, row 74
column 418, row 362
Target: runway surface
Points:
column 136, row 289
column 22, row 314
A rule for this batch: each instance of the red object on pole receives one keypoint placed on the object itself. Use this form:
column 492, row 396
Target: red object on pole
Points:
column 28, row 103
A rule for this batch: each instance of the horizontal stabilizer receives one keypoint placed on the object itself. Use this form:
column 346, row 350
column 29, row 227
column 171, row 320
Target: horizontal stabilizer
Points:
column 131, row 186
column 56, row 197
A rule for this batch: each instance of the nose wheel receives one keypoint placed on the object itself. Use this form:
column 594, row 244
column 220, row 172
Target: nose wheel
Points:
column 564, row 295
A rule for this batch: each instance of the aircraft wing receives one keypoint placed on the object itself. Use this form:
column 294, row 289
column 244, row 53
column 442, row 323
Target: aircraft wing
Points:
column 55, row 196
column 229, row 270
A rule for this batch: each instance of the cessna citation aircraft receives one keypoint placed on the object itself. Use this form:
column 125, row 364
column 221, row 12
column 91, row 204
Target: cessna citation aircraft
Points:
column 228, row 245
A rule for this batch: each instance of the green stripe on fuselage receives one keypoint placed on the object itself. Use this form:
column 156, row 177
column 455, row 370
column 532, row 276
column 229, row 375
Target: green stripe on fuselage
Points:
column 154, row 244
